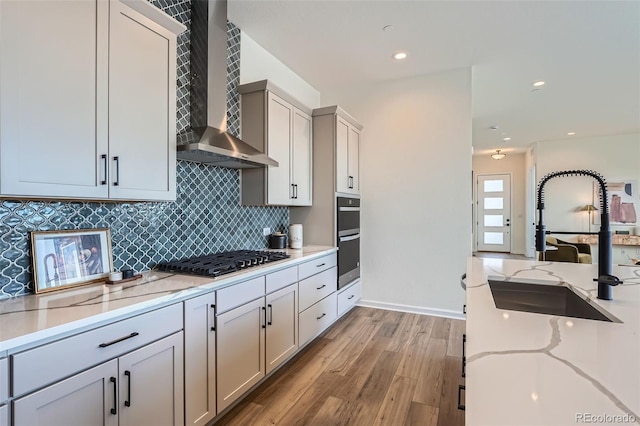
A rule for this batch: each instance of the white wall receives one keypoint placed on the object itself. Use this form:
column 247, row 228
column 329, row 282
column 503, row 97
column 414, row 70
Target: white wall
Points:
column 258, row 64
column 513, row 164
column 615, row 157
column 416, row 188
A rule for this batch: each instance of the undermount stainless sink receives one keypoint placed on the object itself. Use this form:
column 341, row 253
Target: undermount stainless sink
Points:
column 544, row 297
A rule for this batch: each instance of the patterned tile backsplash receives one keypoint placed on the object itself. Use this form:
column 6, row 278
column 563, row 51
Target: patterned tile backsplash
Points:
column 206, row 217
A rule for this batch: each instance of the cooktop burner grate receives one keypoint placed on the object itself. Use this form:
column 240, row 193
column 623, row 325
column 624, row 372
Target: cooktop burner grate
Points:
column 214, row 265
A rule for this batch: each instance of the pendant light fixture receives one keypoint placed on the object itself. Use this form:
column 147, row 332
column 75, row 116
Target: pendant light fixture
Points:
column 498, row 155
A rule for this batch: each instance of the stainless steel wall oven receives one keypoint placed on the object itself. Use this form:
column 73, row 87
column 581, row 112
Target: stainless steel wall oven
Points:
column 348, row 221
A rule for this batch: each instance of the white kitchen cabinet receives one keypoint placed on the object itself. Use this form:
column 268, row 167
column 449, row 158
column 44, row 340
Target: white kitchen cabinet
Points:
column 240, row 350
column 142, row 387
column 88, row 398
column 200, row 359
column 87, row 100
column 337, row 139
column 281, row 127
column 282, row 326
column 317, row 318
column 151, row 385
column 348, row 297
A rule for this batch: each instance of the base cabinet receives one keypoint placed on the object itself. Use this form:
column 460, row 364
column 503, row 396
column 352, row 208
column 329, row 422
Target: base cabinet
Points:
column 282, row 326
column 200, row 359
column 141, row 387
column 240, row 356
column 4, row 415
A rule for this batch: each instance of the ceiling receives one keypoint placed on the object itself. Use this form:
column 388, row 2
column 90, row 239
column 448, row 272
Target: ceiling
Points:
column 587, row 52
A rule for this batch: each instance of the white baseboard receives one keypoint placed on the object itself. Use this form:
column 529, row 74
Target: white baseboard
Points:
column 412, row 309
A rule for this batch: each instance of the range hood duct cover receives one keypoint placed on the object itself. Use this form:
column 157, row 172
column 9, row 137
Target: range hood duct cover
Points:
column 207, row 141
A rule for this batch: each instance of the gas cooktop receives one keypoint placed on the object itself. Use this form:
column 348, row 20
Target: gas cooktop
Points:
column 217, row 264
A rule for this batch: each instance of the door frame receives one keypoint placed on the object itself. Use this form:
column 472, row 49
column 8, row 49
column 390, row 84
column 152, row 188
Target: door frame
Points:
column 476, row 178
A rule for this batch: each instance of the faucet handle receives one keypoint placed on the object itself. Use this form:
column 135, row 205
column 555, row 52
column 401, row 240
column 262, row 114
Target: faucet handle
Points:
column 608, row 279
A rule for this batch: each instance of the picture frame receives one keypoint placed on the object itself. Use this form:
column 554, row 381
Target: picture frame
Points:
column 70, row 258
column 623, row 202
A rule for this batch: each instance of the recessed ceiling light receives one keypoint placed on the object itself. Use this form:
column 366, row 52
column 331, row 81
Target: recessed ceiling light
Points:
column 538, row 84
column 387, row 28
column 571, row 133
column 494, row 127
column 506, row 139
column 399, row 56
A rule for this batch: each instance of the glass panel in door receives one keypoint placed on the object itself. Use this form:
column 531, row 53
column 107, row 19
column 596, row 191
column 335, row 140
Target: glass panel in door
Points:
column 494, row 212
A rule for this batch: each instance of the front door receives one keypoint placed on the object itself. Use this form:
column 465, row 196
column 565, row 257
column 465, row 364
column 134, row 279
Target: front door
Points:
column 494, row 212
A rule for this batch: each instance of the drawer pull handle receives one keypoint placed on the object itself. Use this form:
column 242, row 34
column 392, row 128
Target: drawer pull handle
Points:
column 460, row 389
column 321, row 287
column 322, row 264
column 113, row 342
column 351, row 297
column 127, row 402
column 321, row 316
column 114, row 410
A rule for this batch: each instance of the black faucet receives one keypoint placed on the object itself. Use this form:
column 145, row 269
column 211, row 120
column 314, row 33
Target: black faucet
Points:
column 605, row 279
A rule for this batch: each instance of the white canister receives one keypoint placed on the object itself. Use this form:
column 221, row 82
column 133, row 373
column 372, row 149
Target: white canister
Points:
column 295, row 236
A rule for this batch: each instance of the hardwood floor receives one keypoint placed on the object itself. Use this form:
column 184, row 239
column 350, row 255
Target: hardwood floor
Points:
column 372, row 367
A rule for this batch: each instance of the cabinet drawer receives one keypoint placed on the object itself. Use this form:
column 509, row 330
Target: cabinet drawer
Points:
column 49, row 363
column 348, row 298
column 317, row 318
column 281, row 279
column 4, row 380
column 239, row 294
column 317, row 287
column 318, row 265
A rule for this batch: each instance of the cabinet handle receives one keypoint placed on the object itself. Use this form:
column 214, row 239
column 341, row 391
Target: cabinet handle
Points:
column 351, row 297
column 214, row 312
column 127, row 402
column 113, row 342
column 464, row 308
column 321, row 287
column 114, row 410
column 104, row 159
column 320, row 316
column 270, row 314
column 322, row 264
column 464, row 355
column 264, row 311
column 293, row 191
column 296, row 189
column 350, row 185
column 117, row 181
column 460, row 389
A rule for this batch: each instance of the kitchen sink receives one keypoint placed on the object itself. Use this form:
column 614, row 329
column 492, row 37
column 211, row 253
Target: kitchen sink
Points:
column 544, row 297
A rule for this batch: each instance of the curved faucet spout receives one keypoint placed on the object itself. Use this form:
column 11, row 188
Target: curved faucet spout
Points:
column 605, row 259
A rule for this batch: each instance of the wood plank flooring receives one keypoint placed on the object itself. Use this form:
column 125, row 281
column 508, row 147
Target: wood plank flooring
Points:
column 372, row 367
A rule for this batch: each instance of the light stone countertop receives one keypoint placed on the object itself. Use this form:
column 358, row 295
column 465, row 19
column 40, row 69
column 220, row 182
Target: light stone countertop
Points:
column 535, row 369
column 38, row 318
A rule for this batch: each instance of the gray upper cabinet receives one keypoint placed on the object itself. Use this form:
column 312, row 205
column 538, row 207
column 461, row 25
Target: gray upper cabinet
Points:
column 87, row 100
column 278, row 125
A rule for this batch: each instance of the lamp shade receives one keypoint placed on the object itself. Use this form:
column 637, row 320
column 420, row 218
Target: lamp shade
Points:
column 589, row 208
column 498, row 155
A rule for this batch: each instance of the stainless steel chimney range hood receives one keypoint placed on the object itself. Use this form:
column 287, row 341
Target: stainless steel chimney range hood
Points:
column 207, row 141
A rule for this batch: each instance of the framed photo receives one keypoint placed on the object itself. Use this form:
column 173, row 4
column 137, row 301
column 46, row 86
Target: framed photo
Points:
column 623, row 202
column 63, row 259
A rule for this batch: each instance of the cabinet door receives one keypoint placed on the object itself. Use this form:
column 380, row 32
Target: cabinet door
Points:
column 301, row 166
column 53, row 82
column 87, row 398
column 354, row 160
column 142, row 115
column 279, row 116
column 282, row 326
column 342, row 156
column 151, row 384
column 240, row 344
column 4, row 415
column 200, row 359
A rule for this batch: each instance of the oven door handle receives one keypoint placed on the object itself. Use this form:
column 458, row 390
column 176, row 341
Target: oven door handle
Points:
column 349, row 238
column 348, row 209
